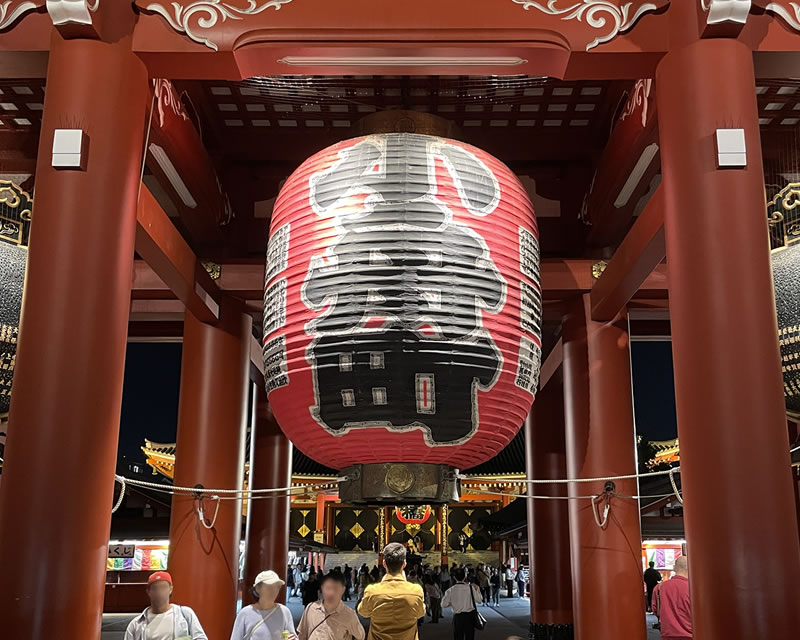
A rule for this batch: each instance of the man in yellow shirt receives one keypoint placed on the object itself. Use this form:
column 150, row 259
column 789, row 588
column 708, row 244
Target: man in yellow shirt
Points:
column 393, row 605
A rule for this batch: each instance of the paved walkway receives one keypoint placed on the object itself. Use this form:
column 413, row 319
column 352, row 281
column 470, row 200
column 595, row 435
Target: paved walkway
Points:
column 509, row 620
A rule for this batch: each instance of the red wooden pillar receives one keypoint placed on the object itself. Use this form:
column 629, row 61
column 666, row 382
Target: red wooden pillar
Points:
column 548, row 520
column 212, row 416
column 268, row 518
column 739, row 508
column 606, row 562
column 55, row 512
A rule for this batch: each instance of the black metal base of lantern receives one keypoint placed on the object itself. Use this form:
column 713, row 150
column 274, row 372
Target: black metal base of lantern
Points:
column 400, row 483
column 551, row 632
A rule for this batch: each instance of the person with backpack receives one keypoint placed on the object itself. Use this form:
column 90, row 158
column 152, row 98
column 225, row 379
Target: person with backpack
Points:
column 163, row 620
column 266, row 619
column 463, row 598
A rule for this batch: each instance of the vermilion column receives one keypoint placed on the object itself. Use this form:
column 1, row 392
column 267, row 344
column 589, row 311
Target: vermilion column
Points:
column 739, row 504
column 607, row 592
column 548, row 520
column 268, row 518
column 55, row 511
column 212, row 417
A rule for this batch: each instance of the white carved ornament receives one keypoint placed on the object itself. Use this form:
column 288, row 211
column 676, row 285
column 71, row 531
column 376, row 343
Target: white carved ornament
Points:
column 167, row 98
column 9, row 11
column 638, row 98
column 204, row 14
column 720, row 11
column 791, row 13
column 72, row 11
column 598, row 14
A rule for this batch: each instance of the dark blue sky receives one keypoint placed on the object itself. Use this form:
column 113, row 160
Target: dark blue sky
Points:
column 152, row 382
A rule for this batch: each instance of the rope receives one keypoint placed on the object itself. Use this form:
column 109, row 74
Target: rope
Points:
column 201, row 514
column 607, row 497
column 118, row 503
column 238, row 492
column 476, row 492
column 631, row 476
column 675, row 486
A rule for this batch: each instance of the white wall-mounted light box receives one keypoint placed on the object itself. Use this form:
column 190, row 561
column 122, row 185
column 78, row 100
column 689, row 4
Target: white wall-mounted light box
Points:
column 731, row 149
column 69, row 149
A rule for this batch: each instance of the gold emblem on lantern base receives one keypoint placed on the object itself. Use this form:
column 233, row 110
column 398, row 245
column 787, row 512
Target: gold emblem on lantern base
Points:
column 399, row 478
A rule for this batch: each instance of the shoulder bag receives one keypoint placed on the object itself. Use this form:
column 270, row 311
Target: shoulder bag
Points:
column 478, row 621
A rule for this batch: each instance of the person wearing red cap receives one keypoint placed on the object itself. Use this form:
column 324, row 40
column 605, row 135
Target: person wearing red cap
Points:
column 163, row 620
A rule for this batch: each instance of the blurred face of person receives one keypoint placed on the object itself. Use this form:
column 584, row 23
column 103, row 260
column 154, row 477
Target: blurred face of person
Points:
column 268, row 592
column 159, row 594
column 332, row 591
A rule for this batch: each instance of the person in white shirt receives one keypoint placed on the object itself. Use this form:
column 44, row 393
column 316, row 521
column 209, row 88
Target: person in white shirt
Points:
column 162, row 620
column 459, row 598
column 266, row 619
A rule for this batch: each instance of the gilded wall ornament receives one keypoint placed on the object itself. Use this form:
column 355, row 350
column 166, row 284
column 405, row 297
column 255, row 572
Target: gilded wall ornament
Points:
column 11, row 10
column 190, row 18
column 598, row 14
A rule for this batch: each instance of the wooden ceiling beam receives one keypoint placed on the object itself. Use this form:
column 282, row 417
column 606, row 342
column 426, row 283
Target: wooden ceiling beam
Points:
column 551, row 364
column 172, row 260
column 178, row 159
column 626, row 168
column 642, row 250
column 245, row 280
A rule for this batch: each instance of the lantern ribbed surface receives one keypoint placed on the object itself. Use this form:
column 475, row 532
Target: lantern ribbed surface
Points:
column 786, row 272
column 12, row 277
column 402, row 303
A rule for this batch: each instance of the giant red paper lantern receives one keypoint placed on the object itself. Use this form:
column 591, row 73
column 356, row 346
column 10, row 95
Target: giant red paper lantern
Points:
column 402, row 303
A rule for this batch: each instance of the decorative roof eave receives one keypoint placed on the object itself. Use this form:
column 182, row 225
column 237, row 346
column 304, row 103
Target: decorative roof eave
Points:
column 12, row 10
column 607, row 18
column 245, row 38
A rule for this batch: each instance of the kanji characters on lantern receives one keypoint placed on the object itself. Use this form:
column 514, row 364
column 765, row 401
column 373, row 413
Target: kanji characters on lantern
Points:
column 402, row 302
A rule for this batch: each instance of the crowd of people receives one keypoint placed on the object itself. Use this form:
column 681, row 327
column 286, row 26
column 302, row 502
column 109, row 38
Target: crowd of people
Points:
column 303, row 581
column 395, row 597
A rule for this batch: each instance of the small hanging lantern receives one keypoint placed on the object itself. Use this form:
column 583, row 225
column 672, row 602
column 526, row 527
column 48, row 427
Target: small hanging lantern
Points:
column 402, row 312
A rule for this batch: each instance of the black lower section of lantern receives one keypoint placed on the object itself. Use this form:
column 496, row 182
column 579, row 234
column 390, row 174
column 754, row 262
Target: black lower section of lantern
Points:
column 399, row 483
column 551, row 632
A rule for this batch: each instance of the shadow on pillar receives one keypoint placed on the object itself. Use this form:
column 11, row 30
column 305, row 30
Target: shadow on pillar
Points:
column 608, row 600
column 267, row 518
column 548, row 520
column 212, row 418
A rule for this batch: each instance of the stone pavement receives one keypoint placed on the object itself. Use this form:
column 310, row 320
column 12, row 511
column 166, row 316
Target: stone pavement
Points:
column 510, row 619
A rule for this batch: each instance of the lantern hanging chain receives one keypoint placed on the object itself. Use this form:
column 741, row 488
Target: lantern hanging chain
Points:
column 201, row 513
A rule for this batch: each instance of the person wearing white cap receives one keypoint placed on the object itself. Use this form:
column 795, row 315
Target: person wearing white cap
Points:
column 266, row 619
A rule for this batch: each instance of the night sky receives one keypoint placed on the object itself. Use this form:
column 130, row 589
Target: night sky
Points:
column 152, row 381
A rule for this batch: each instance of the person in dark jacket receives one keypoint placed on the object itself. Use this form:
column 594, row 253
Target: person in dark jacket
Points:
column 310, row 589
column 652, row 577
